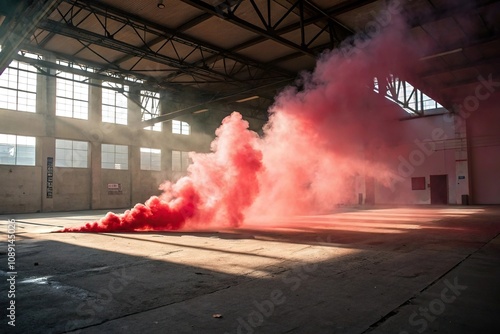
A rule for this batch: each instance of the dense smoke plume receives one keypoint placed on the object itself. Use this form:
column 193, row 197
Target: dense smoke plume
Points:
column 324, row 136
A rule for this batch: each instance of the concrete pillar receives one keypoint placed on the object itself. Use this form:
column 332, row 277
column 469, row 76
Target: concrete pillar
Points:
column 96, row 175
column 134, row 162
column 95, row 121
column 461, row 163
column 46, row 106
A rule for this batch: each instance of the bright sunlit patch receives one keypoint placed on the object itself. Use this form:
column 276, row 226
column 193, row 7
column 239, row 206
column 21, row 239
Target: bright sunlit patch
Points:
column 250, row 256
column 35, row 280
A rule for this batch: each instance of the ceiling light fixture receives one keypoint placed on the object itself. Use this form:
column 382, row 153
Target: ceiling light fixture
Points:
column 199, row 111
column 248, row 99
column 160, row 4
column 441, row 54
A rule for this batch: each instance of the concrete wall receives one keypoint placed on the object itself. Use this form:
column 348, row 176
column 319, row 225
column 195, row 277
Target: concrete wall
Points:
column 71, row 189
column 20, row 188
column 23, row 188
column 469, row 154
column 434, row 146
column 483, row 127
column 150, row 181
column 111, row 198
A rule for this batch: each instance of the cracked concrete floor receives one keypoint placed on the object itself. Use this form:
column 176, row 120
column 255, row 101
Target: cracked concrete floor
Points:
column 374, row 270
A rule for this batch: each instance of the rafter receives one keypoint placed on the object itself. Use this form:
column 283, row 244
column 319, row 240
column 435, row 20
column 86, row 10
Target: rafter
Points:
column 21, row 27
column 268, row 32
column 342, row 31
column 97, row 39
column 162, row 35
column 215, row 100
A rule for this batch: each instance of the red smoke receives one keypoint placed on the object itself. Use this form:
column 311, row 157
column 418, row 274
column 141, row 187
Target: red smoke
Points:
column 219, row 187
column 321, row 140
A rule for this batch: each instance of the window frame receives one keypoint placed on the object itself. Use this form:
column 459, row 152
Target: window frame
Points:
column 181, row 128
column 10, row 90
column 180, row 158
column 15, row 143
column 146, row 97
column 151, row 153
column 115, row 156
column 73, row 161
column 116, row 95
column 76, row 98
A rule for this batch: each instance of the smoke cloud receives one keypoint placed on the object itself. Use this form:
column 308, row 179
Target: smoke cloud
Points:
column 325, row 136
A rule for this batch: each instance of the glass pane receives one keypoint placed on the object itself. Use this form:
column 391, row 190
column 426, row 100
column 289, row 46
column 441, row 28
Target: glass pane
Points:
column 121, row 149
column 108, row 114
column 62, row 143
column 107, row 158
column 176, row 161
column 185, row 160
column 80, row 145
column 185, row 128
column 108, row 165
column 26, row 155
column 145, row 160
column 176, row 127
column 7, row 153
column 64, row 107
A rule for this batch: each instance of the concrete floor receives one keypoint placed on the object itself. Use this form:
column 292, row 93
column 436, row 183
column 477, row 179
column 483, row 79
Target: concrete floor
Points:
column 386, row 270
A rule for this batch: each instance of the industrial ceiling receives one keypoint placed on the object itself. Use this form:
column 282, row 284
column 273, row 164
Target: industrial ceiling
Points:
column 236, row 54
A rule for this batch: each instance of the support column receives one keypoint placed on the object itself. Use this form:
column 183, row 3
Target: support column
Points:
column 134, row 160
column 95, row 120
column 46, row 146
column 461, row 163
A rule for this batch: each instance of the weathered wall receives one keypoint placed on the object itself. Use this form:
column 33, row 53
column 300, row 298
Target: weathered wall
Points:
column 111, row 198
column 150, row 181
column 71, row 189
column 432, row 147
column 23, row 188
column 483, row 127
column 20, row 189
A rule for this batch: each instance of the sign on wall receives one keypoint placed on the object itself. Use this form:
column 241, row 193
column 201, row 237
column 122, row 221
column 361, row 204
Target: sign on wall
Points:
column 114, row 188
column 50, row 177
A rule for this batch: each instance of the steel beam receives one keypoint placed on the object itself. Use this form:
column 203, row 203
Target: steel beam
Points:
column 164, row 33
column 336, row 10
column 221, row 99
column 230, row 17
column 23, row 26
column 97, row 39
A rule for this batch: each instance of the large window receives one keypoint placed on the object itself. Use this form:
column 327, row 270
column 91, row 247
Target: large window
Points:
column 150, row 159
column 72, row 153
column 18, row 87
column 72, row 95
column 114, row 156
column 17, row 150
column 181, row 128
column 114, row 103
column 411, row 99
column 150, row 103
column 180, row 161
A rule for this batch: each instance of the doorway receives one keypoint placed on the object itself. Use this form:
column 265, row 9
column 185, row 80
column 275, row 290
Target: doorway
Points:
column 439, row 189
column 370, row 190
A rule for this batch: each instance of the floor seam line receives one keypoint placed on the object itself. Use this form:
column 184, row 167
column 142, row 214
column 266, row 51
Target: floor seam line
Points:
column 394, row 311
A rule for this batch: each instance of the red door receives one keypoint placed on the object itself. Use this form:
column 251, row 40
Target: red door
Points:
column 439, row 189
column 370, row 190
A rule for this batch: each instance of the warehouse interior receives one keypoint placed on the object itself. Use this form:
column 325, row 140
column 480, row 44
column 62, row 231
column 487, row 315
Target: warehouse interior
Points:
column 250, row 166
